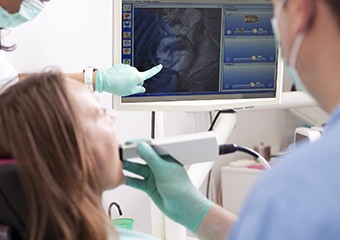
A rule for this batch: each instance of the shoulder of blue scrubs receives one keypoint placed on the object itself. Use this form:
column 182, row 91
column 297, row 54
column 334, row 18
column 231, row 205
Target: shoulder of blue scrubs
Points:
column 334, row 118
column 8, row 75
column 299, row 197
column 126, row 234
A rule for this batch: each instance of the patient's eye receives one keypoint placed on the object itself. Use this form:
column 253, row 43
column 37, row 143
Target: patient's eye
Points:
column 104, row 111
column 108, row 114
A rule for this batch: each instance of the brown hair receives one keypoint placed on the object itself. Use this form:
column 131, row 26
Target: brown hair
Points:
column 41, row 131
column 334, row 6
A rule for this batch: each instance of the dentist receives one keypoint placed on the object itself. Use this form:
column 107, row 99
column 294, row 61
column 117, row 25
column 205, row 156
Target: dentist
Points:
column 120, row 79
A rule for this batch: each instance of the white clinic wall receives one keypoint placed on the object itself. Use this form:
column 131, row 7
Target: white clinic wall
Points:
column 77, row 33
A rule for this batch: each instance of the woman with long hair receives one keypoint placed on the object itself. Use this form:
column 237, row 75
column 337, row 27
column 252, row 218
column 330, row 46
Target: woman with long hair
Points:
column 65, row 149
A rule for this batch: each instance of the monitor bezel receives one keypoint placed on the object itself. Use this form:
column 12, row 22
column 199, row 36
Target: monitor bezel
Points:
column 187, row 105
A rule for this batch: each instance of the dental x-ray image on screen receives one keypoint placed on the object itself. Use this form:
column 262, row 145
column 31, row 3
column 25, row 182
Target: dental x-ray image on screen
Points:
column 216, row 54
column 186, row 41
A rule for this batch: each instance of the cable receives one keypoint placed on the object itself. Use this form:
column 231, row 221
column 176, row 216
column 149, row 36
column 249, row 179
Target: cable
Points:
column 153, row 124
column 230, row 148
column 208, row 183
column 217, row 115
column 211, row 128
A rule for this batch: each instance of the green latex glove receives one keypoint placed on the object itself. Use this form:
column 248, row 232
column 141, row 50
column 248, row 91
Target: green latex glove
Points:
column 169, row 186
column 123, row 80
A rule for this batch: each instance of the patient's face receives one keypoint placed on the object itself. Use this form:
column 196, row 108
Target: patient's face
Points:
column 100, row 133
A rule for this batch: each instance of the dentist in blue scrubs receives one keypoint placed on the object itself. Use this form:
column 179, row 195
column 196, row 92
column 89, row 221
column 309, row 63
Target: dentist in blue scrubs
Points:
column 299, row 198
column 120, row 79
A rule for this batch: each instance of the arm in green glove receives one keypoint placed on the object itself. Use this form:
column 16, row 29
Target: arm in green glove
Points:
column 123, row 80
column 169, row 186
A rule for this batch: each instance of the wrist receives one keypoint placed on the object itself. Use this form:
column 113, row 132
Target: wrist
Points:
column 89, row 77
column 216, row 224
column 201, row 209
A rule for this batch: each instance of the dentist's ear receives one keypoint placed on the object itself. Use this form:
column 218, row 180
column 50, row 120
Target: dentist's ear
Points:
column 307, row 9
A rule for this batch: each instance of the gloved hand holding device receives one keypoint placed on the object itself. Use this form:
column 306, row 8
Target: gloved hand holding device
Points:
column 169, row 186
column 123, row 80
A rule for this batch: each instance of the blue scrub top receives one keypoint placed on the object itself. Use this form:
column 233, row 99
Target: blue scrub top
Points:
column 300, row 197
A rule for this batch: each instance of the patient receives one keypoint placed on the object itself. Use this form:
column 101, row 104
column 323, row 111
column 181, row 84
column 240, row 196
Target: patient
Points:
column 66, row 151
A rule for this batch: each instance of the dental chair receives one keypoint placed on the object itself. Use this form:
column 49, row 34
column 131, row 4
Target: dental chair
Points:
column 13, row 205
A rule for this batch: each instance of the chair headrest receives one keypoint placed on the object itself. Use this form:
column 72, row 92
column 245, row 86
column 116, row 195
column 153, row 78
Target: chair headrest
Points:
column 13, row 204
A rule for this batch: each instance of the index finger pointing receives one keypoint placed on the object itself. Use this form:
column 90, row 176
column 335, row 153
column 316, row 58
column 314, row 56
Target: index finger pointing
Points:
column 151, row 72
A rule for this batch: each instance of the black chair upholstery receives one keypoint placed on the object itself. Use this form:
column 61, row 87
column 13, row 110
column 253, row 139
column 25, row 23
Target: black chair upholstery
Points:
column 13, row 205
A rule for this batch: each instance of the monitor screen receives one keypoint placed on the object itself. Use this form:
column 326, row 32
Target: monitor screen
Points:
column 216, row 54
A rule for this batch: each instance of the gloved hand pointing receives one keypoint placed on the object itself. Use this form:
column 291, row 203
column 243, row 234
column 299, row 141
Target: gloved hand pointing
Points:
column 123, row 80
column 169, row 186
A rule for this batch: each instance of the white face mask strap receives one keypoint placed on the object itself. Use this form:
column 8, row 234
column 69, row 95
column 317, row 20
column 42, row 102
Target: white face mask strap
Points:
column 279, row 8
column 37, row 4
column 295, row 49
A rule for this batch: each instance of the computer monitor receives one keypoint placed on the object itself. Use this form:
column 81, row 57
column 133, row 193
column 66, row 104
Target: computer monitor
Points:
column 216, row 54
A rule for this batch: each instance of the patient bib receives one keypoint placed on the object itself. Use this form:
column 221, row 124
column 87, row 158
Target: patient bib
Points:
column 126, row 234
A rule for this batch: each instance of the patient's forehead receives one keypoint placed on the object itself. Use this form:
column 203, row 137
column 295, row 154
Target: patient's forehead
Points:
column 74, row 87
column 86, row 102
